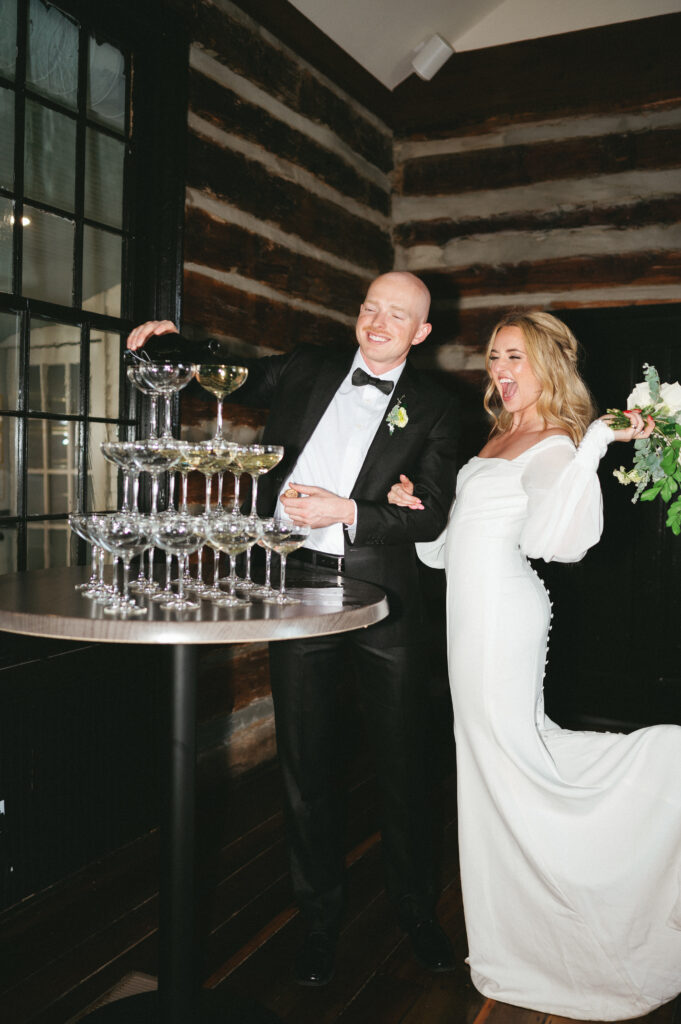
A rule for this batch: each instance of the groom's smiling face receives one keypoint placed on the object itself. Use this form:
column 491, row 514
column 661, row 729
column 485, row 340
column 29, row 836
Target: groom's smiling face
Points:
column 391, row 320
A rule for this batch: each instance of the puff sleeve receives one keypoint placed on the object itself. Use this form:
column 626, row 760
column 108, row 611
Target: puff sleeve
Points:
column 565, row 506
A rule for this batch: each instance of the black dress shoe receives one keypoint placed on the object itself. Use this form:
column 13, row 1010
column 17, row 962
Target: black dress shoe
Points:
column 431, row 946
column 314, row 963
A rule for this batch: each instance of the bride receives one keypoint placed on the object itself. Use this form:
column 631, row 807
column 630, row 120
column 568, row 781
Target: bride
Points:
column 570, row 842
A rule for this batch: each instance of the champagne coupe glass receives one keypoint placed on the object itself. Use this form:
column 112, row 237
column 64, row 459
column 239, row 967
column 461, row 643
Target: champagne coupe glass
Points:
column 167, row 379
column 153, row 456
column 180, row 535
column 221, row 380
column 78, row 521
column 266, row 590
column 282, row 535
column 124, row 536
column 134, row 375
column 214, row 457
column 233, row 535
column 255, row 460
column 120, row 453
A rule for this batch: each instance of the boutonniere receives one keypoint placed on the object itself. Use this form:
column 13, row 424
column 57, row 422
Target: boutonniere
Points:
column 397, row 417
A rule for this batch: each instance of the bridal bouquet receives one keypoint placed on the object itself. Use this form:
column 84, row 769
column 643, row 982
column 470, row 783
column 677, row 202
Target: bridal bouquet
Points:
column 657, row 460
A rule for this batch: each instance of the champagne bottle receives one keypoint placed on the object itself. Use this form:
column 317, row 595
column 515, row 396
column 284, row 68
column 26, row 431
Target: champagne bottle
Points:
column 173, row 348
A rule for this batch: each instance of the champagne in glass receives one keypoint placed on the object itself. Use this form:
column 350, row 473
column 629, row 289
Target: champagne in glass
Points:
column 234, row 535
column 181, row 536
column 282, row 535
column 221, row 380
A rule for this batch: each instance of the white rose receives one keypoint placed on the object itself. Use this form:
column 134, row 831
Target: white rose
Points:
column 639, row 397
column 671, row 396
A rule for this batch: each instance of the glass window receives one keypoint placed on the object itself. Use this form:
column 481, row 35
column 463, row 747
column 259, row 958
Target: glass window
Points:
column 49, row 544
column 105, row 361
column 50, row 157
column 54, row 372
column 8, row 39
column 106, row 85
column 53, row 452
column 48, row 257
column 52, row 60
column 6, row 232
column 9, row 361
column 102, row 267
column 104, row 178
column 102, row 475
column 8, row 548
column 8, row 465
column 6, row 137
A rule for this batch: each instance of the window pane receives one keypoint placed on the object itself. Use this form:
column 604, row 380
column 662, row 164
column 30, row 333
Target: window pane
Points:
column 9, row 361
column 48, row 257
column 8, row 37
column 8, row 549
column 49, row 158
column 102, row 475
column 8, row 466
column 53, row 383
column 52, row 465
column 49, row 545
column 6, row 136
column 104, row 178
column 102, row 261
column 6, row 231
column 106, row 85
column 105, row 349
column 52, row 66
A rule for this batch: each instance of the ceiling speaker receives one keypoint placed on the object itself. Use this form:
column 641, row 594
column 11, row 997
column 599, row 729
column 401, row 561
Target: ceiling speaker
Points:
column 431, row 57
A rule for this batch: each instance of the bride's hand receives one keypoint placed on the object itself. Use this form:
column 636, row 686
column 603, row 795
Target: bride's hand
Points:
column 639, row 429
column 402, row 494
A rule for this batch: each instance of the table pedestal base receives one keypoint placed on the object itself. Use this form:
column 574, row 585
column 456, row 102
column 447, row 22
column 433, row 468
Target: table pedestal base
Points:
column 215, row 1007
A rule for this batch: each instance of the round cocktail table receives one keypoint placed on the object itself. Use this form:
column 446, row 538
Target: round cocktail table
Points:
column 44, row 603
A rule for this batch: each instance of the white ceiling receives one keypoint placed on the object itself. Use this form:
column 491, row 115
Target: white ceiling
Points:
column 384, row 35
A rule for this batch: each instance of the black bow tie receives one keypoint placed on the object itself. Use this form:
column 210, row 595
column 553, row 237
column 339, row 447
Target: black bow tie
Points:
column 360, row 378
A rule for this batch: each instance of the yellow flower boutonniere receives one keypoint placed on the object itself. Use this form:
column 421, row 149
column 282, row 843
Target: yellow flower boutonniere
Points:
column 397, row 417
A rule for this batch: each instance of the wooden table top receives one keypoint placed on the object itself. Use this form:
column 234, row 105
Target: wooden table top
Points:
column 44, row 603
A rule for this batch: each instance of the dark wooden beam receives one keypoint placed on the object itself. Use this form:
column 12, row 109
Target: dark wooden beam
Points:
column 629, row 215
column 298, row 32
column 252, row 55
column 613, row 68
column 510, row 166
column 228, row 111
column 214, row 308
column 219, row 244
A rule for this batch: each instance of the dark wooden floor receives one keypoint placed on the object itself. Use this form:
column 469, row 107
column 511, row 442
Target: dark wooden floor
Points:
column 61, row 951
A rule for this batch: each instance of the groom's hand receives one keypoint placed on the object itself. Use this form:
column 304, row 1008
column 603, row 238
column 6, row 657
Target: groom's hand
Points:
column 319, row 508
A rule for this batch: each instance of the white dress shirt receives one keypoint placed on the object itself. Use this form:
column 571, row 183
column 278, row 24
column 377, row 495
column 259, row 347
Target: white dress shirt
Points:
column 334, row 455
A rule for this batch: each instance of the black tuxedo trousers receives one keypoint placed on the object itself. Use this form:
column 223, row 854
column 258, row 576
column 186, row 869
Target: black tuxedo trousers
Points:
column 388, row 659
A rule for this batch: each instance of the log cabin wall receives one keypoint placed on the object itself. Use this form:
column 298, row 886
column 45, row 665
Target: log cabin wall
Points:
column 542, row 174
column 287, row 219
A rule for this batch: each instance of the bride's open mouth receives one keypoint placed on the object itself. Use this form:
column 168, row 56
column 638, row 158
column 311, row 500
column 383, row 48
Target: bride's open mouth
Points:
column 508, row 388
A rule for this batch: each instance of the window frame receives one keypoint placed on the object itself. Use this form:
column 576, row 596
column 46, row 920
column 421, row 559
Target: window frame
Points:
column 157, row 61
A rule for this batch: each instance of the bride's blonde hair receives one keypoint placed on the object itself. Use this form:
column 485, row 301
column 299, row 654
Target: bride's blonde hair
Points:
column 552, row 351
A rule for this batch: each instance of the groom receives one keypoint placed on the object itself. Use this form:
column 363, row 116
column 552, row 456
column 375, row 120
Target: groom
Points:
column 349, row 427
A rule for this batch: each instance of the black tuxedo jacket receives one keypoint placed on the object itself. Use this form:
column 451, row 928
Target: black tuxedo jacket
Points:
column 297, row 388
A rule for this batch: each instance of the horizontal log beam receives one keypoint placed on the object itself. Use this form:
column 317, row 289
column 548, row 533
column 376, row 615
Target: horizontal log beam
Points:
column 211, row 307
column 441, row 230
column 249, row 53
column 644, row 268
column 230, row 247
column 510, row 166
column 228, row 111
column 230, row 678
column 250, row 186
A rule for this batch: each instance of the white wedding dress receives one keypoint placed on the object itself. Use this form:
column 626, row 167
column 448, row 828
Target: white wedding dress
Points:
column 570, row 842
